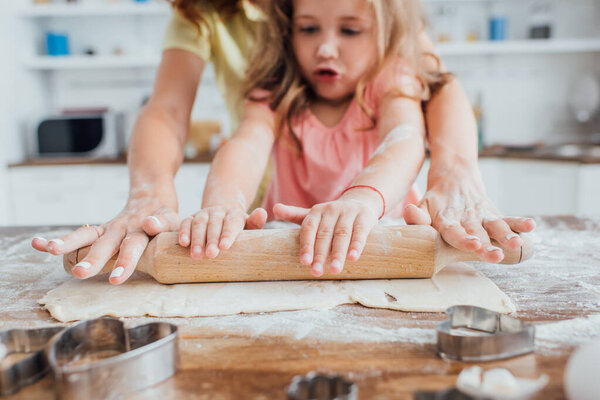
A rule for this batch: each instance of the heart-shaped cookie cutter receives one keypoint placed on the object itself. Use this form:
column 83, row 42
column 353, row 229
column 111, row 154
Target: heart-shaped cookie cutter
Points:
column 101, row 359
column 30, row 368
column 477, row 334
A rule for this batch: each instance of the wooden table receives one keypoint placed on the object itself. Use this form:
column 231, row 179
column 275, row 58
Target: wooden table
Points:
column 389, row 354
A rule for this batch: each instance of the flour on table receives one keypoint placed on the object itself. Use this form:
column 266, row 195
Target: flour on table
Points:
column 141, row 295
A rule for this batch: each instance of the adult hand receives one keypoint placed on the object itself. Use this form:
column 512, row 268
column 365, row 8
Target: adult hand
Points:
column 215, row 228
column 149, row 211
column 457, row 206
column 335, row 230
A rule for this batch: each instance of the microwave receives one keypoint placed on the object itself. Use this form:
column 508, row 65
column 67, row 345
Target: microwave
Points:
column 94, row 135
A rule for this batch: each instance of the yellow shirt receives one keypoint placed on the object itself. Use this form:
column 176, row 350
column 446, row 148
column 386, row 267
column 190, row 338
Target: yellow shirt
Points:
column 226, row 43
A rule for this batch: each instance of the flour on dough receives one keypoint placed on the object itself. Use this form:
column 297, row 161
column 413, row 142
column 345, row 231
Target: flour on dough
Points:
column 141, row 295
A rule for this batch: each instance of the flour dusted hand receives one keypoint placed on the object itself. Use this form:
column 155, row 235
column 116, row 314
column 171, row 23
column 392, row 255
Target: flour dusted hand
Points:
column 457, row 206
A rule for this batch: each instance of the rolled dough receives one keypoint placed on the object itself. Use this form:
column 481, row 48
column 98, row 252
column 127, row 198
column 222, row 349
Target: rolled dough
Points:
column 141, row 295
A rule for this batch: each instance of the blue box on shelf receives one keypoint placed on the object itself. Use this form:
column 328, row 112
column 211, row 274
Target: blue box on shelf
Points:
column 57, row 44
column 498, row 28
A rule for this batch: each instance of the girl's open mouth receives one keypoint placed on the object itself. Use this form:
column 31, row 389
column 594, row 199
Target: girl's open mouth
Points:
column 326, row 74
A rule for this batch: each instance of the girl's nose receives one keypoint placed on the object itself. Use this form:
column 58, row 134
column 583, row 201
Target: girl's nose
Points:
column 327, row 50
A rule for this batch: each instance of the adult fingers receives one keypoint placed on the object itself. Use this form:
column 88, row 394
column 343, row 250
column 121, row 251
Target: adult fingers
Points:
column 198, row 239
column 81, row 237
column 233, row 223
column 518, row 224
column 414, row 215
column 100, row 252
column 322, row 243
column 130, row 252
column 162, row 220
column 456, row 236
column 292, row 214
column 342, row 234
column 185, row 232
column 308, row 233
column 499, row 230
column 213, row 233
column 256, row 219
column 486, row 251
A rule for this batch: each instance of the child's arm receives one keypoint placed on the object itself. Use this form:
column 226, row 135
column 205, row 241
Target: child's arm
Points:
column 344, row 224
column 234, row 176
column 456, row 203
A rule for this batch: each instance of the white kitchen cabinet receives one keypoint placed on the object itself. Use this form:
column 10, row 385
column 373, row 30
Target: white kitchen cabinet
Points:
column 589, row 190
column 69, row 194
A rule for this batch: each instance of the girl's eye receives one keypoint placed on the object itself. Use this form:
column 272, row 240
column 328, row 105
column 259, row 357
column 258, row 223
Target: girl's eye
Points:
column 308, row 29
column 351, row 31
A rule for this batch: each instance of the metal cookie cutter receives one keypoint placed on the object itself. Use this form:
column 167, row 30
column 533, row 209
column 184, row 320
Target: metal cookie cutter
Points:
column 29, row 369
column 100, row 359
column 478, row 334
column 315, row 386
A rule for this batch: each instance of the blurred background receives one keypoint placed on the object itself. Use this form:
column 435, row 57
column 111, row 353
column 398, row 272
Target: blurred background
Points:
column 74, row 74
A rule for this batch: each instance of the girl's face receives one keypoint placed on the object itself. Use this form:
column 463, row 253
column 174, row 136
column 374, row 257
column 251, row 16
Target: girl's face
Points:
column 335, row 43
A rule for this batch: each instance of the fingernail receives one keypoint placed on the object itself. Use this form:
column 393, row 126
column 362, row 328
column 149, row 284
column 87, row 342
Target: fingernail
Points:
column 197, row 250
column 317, row 269
column 225, row 243
column 184, row 238
column 493, row 248
column 335, row 266
column 117, row 272
column 40, row 238
column 472, row 237
column 511, row 235
column 306, row 258
column 84, row 265
column 353, row 254
column 212, row 250
column 156, row 221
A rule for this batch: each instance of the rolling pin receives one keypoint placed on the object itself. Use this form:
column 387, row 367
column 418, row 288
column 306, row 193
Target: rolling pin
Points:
column 273, row 255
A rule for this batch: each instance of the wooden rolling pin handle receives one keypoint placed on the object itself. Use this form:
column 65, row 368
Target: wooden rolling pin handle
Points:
column 273, row 254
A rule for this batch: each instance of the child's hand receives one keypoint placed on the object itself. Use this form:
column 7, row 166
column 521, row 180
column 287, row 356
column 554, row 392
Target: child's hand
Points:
column 341, row 226
column 216, row 228
column 458, row 208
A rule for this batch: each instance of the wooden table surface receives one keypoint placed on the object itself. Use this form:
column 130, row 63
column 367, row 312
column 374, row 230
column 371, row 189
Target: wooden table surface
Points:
column 389, row 354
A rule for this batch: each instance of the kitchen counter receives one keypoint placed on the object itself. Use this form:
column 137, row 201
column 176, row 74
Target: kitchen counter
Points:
column 389, row 354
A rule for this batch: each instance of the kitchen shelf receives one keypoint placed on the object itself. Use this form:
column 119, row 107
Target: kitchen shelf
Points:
column 96, row 10
column 91, row 62
column 532, row 46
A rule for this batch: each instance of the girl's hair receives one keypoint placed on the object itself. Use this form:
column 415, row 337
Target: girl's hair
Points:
column 190, row 11
column 273, row 67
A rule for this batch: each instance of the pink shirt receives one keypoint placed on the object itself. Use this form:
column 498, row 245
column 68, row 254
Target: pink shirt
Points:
column 332, row 157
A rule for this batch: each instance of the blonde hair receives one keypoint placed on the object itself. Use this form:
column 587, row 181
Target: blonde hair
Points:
column 273, row 66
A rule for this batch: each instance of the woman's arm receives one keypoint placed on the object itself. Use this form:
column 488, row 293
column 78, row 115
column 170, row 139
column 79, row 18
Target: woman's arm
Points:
column 455, row 203
column 155, row 153
column 234, row 177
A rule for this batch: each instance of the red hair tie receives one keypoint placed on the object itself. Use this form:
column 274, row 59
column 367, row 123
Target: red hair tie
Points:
column 372, row 188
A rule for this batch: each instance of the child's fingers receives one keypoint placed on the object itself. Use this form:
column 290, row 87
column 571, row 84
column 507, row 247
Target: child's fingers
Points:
column 308, row 234
column 198, row 240
column 341, row 240
column 185, row 232
column 499, row 230
column 100, row 252
column 360, row 231
column 233, row 223
column 130, row 253
column 291, row 214
column 323, row 242
column 213, row 232
column 256, row 219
